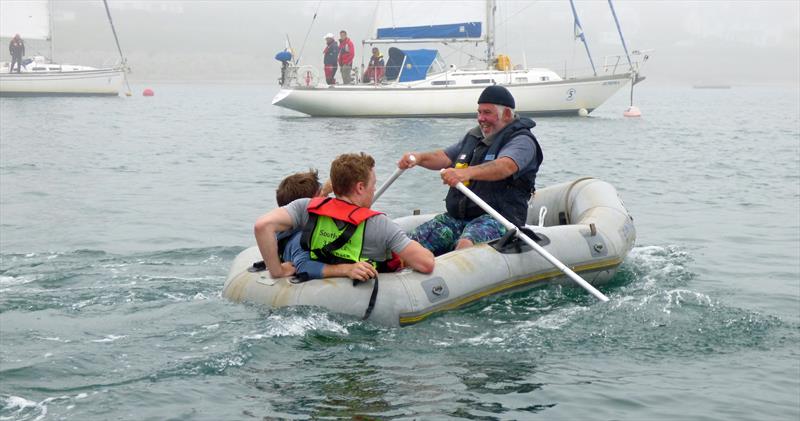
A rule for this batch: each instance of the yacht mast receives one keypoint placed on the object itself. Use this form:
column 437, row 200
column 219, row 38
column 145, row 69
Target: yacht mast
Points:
column 490, row 9
column 50, row 28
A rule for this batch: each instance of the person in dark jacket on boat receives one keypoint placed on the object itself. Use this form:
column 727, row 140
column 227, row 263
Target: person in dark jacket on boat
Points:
column 497, row 160
column 374, row 72
column 17, row 49
column 330, row 59
column 372, row 241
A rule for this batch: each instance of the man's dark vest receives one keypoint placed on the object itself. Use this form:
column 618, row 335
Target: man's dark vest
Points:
column 335, row 215
column 508, row 196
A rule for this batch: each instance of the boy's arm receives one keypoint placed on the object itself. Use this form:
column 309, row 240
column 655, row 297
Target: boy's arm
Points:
column 265, row 232
column 418, row 257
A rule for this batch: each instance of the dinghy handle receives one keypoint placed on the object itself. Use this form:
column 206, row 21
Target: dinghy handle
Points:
column 372, row 298
column 542, row 214
column 259, row 266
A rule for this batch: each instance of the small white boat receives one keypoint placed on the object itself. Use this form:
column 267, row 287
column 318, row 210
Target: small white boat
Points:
column 38, row 75
column 419, row 84
column 586, row 227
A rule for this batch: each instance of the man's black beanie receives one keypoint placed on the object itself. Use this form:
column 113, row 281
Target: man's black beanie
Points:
column 497, row 94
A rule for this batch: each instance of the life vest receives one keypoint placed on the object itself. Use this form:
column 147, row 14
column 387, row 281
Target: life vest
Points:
column 508, row 196
column 334, row 232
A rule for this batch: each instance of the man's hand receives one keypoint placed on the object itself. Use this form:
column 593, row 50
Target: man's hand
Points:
column 452, row 176
column 407, row 161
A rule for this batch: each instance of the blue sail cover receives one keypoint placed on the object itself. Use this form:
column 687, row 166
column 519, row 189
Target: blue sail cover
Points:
column 449, row 31
column 417, row 64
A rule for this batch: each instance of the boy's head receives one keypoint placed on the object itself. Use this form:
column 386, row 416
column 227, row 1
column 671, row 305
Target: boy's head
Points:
column 348, row 170
column 297, row 186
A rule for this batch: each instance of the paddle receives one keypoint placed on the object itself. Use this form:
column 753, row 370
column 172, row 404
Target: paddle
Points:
column 389, row 182
column 549, row 257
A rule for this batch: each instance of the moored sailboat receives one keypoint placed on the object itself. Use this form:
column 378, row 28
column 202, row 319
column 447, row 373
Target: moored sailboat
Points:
column 38, row 75
column 419, row 83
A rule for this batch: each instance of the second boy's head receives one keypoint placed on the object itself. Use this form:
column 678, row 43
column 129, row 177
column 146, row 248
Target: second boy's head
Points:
column 297, row 186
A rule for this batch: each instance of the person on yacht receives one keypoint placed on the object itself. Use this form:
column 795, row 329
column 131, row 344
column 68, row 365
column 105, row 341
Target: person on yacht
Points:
column 497, row 160
column 330, row 58
column 375, row 70
column 17, row 49
column 347, row 51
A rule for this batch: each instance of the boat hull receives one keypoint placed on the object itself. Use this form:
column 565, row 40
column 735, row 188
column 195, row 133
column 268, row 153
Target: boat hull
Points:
column 69, row 83
column 464, row 276
column 564, row 97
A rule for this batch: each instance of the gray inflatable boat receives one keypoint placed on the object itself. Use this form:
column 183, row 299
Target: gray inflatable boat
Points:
column 583, row 223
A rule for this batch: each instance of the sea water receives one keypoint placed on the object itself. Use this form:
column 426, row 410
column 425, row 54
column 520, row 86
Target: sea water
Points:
column 120, row 217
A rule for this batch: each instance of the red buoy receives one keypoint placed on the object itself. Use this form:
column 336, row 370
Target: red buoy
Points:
column 148, row 92
column 632, row 111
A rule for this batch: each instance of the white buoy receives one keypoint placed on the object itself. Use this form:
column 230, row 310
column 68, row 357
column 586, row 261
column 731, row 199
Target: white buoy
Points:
column 583, row 112
column 632, row 111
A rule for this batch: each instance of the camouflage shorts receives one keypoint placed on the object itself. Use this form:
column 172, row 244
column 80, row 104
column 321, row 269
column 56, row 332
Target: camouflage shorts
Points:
column 441, row 233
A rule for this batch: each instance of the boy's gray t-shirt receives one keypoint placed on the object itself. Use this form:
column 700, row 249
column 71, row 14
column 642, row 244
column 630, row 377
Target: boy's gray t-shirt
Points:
column 380, row 232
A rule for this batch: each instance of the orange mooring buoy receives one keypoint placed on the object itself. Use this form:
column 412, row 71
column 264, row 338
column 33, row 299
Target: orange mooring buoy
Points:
column 632, row 111
column 148, row 92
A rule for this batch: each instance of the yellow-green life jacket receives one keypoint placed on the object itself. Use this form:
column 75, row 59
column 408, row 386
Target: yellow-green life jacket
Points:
column 335, row 231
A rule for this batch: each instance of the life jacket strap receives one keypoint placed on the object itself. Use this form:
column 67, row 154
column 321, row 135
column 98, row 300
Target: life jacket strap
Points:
column 325, row 253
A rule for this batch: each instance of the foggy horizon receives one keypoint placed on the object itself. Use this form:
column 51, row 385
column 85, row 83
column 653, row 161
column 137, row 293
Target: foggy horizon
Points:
column 692, row 42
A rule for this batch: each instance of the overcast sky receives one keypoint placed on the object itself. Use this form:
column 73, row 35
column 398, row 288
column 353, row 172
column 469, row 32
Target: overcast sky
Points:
column 727, row 42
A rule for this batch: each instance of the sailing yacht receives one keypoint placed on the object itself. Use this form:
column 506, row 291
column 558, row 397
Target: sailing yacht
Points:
column 418, row 83
column 38, row 75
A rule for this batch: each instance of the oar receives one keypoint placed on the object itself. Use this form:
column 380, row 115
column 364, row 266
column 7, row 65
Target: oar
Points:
column 389, row 182
column 567, row 271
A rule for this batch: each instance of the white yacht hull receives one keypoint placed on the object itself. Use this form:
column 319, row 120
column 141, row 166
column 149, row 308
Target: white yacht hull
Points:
column 562, row 97
column 81, row 82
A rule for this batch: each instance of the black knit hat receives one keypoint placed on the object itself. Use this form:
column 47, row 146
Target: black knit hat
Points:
column 496, row 94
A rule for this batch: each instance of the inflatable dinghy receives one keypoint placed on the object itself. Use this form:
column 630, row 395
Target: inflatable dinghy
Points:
column 583, row 223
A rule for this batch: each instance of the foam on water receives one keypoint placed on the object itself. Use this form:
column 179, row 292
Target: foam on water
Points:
column 21, row 409
column 117, row 238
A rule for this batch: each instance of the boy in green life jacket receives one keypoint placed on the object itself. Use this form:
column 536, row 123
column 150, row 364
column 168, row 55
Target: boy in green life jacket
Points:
column 342, row 232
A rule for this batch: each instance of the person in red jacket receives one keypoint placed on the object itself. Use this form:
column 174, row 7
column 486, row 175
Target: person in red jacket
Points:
column 347, row 51
column 374, row 72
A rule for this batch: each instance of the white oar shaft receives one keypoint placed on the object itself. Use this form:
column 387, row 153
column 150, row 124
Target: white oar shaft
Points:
column 397, row 173
column 544, row 253
column 386, row 184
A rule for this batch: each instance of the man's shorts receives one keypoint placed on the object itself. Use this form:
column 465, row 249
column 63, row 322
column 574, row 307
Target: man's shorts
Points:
column 440, row 234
